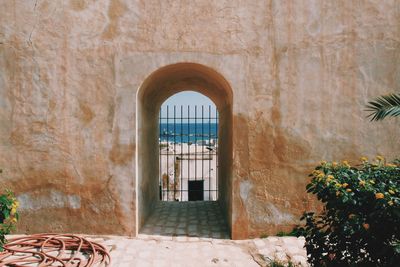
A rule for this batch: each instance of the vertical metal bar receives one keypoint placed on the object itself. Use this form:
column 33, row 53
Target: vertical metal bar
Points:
column 195, row 143
column 167, row 153
column 202, row 142
column 188, row 147
column 181, row 145
column 209, row 151
column 174, row 151
column 216, row 151
column 160, row 157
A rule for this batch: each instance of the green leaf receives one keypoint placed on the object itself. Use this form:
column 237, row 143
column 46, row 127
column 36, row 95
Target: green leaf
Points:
column 384, row 106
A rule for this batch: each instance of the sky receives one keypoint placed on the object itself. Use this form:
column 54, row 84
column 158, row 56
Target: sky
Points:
column 184, row 99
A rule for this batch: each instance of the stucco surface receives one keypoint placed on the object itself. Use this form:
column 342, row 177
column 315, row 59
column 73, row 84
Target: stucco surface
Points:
column 300, row 72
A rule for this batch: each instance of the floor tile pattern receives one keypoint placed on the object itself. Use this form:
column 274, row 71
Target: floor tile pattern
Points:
column 192, row 219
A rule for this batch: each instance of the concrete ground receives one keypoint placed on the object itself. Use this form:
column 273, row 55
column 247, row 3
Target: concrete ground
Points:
column 148, row 250
column 183, row 219
column 159, row 251
column 195, row 234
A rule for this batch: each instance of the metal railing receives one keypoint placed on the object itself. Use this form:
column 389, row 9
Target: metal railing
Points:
column 188, row 145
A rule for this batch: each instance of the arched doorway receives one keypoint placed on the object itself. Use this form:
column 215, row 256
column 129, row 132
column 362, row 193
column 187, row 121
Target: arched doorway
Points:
column 160, row 85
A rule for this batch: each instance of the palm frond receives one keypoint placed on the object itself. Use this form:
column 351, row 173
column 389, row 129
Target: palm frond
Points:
column 384, row 106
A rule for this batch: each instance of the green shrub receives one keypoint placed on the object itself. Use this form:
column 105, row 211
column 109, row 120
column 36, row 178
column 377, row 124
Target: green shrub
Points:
column 296, row 231
column 360, row 223
column 8, row 215
column 264, row 236
column 277, row 263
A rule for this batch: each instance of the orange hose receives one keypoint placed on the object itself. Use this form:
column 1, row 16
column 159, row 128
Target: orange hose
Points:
column 53, row 250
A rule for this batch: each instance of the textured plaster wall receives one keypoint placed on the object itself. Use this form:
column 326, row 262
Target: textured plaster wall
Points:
column 300, row 71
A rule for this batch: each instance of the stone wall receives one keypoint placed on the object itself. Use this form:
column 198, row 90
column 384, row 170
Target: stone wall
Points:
column 300, row 72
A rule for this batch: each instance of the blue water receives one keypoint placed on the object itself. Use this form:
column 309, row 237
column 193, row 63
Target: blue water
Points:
column 188, row 132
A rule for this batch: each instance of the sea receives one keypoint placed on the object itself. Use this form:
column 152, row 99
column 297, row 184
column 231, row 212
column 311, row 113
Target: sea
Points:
column 189, row 132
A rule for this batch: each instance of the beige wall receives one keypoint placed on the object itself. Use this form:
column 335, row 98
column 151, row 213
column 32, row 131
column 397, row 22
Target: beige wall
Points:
column 300, row 74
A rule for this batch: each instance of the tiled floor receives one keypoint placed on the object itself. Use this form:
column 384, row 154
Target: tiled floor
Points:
column 191, row 219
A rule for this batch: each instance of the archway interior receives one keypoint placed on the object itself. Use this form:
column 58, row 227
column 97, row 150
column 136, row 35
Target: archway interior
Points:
column 159, row 86
column 188, row 148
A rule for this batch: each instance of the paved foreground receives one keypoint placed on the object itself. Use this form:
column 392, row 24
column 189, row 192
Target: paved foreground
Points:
column 150, row 250
column 187, row 218
column 196, row 234
column 159, row 251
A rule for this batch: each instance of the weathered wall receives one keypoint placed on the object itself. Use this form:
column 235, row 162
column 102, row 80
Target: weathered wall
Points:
column 301, row 73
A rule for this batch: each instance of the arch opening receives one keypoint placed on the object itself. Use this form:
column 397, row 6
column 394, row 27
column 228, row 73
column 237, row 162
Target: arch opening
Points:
column 188, row 148
column 157, row 88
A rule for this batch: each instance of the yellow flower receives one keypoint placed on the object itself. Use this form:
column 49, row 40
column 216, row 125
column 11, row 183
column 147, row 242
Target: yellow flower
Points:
column 346, row 163
column 13, row 211
column 323, row 162
column 330, row 177
column 371, row 181
column 338, row 185
column 391, row 165
column 362, row 183
column 14, row 220
column 380, row 158
column 316, row 172
column 390, row 203
column 366, row 226
column 319, row 174
column 364, row 159
column 379, row 196
column 391, row 192
column 348, row 190
column 334, row 164
column 14, row 206
column 345, row 185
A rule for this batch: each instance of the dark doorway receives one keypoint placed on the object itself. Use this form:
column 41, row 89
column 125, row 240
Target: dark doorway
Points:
column 196, row 190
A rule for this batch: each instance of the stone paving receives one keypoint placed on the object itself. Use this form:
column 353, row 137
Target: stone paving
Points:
column 196, row 234
column 148, row 250
column 187, row 219
column 158, row 251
